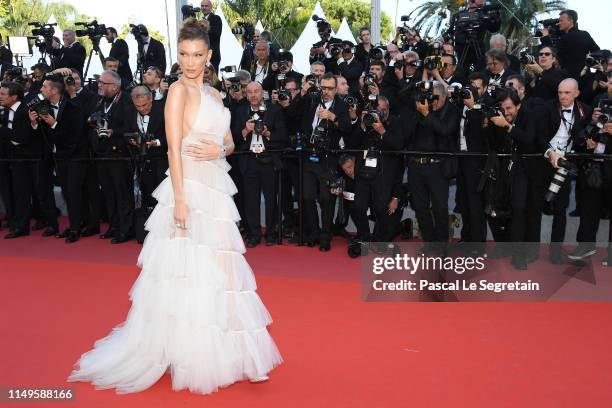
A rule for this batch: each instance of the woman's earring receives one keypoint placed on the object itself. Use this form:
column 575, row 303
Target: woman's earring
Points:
column 208, row 64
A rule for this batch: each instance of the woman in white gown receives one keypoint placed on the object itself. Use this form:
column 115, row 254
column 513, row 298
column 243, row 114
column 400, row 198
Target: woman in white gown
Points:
column 194, row 309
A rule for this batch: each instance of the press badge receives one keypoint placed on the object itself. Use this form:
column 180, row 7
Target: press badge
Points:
column 371, row 162
column 348, row 195
column 257, row 148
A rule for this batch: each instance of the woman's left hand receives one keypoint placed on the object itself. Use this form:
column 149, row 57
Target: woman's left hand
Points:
column 208, row 150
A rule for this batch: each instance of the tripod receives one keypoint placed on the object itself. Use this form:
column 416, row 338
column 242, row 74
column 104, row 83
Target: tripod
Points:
column 471, row 53
column 96, row 48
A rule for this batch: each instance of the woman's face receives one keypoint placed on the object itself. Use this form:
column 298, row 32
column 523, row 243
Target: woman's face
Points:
column 365, row 37
column 192, row 57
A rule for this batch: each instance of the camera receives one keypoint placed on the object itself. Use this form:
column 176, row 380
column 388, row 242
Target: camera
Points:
column 39, row 105
column 350, row 100
column 596, row 57
column 16, row 75
column 93, row 30
column 553, row 27
column 42, row 29
column 258, row 119
column 69, row 80
column 593, row 129
column 378, row 53
column 424, row 92
column 139, row 32
column 99, row 121
column 494, row 89
column 189, row 11
column 315, row 90
column 457, row 93
column 565, row 169
column 369, row 80
column 526, row 58
column 246, row 30
column 469, row 23
column 141, row 140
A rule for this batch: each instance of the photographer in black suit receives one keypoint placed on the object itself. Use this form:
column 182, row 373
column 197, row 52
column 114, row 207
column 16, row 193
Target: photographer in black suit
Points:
column 565, row 121
column 147, row 118
column 350, row 67
column 71, row 55
column 325, row 120
column 17, row 138
column 6, row 57
column 376, row 174
column 151, row 51
column 320, row 50
column 83, row 181
column 116, row 176
column 62, row 130
column 437, row 126
column 573, row 46
column 545, row 75
column 259, row 130
column 497, row 66
column 120, row 51
column 215, row 28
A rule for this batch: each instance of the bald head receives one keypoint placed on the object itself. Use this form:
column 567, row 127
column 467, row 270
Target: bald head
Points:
column 254, row 93
column 568, row 92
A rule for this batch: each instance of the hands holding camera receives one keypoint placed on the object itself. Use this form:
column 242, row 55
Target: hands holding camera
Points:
column 249, row 127
column 35, row 117
column 326, row 114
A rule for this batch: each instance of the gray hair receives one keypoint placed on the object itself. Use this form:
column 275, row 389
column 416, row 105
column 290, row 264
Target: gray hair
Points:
column 72, row 32
column 317, row 63
column 441, row 89
column 141, row 91
column 412, row 54
column 116, row 79
column 244, row 75
column 496, row 54
column 495, row 38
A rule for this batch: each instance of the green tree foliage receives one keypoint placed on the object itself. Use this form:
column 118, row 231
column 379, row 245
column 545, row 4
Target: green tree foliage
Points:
column 519, row 17
column 286, row 19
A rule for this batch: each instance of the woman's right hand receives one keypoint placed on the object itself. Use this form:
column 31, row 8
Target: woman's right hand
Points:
column 181, row 212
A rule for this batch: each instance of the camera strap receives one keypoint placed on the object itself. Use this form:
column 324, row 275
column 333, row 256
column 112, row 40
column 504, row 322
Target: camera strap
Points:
column 143, row 122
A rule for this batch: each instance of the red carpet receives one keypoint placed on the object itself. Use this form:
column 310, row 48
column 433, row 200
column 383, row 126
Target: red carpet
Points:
column 56, row 300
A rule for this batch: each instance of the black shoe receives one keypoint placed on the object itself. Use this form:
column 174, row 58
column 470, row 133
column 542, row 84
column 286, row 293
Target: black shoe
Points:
column 581, row 252
column 50, row 232
column 325, row 246
column 16, row 234
column 271, row 240
column 312, row 242
column 252, row 242
column 120, row 238
column 63, row 234
column 72, row 237
column 89, row 231
column 110, row 233
column 519, row 263
column 39, row 225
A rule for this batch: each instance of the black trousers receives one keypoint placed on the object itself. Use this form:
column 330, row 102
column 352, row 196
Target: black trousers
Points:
column 6, row 193
column 79, row 181
column 376, row 195
column 558, row 205
column 474, row 228
column 33, row 180
column 117, row 181
column 429, row 190
column 236, row 176
column 316, row 188
column 259, row 177
column 592, row 202
column 290, row 180
column 152, row 172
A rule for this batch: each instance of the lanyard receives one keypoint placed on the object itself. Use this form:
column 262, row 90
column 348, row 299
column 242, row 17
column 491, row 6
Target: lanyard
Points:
column 143, row 124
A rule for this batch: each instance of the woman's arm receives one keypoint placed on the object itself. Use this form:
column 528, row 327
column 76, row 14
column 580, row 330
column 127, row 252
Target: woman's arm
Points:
column 174, row 112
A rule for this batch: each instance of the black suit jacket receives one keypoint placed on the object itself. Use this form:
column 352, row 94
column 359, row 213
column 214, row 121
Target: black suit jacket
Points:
column 28, row 146
column 67, row 133
column 120, row 51
column 214, row 33
column 331, row 64
column 552, row 121
column 156, row 127
column 336, row 131
column 352, row 72
column 86, row 101
column 71, row 57
column 572, row 49
column 115, row 145
column 274, row 119
column 502, row 80
column 547, row 84
column 156, row 55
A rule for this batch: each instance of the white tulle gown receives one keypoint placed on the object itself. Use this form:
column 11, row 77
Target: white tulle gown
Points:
column 194, row 309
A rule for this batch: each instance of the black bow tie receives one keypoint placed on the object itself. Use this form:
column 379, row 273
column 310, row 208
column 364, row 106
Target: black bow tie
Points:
column 566, row 110
column 496, row 76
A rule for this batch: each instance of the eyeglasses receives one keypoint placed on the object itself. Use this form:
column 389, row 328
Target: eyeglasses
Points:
column 328, row 88
column 545, row 54
column 106, row 83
